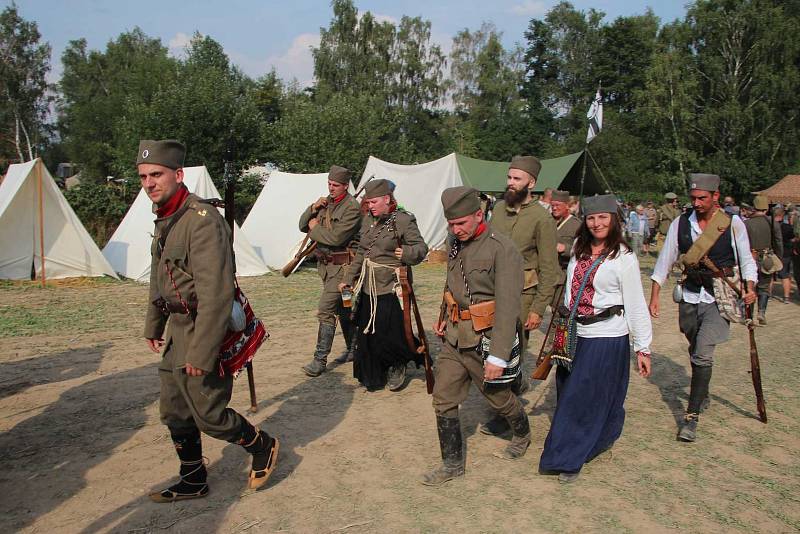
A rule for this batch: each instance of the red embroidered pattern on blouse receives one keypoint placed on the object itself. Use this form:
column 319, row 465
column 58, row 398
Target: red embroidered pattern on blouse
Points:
column 585, row 305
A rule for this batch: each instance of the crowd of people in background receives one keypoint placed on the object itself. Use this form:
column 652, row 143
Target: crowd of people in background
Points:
column 646, row 225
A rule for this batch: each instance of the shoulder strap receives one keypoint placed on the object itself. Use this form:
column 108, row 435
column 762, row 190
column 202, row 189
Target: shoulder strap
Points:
column 586, row 277
column 162, row 239
column 717, row 226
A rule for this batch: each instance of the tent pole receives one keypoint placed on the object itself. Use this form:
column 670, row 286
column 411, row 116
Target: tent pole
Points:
column 41, row 218
column 596, row 166
column 583, row 173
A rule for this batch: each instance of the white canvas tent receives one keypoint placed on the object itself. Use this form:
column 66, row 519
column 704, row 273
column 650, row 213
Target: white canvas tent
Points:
column 419, row 190
column 128, row 250
column 271, row 225
column 68, row 249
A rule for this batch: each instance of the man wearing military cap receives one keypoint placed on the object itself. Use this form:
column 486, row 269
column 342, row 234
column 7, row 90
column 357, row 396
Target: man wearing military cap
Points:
column 567, row 226
column 332, row 222
column 667, row 213
column 481, row 331
column 192, row 287
column 706, row 232
column 766, row 245
column 389, row 238
column 532, row 229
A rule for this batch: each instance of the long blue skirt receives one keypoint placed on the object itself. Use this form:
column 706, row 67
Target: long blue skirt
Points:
column 590, row 409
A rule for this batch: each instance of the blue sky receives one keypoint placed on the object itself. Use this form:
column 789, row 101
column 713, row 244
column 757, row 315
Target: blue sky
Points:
column 261, row 34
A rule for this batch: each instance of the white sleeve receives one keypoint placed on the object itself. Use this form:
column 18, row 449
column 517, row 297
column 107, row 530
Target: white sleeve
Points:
column 742, row 244
column 668, row 255
column 499, row 362
column 636, row 312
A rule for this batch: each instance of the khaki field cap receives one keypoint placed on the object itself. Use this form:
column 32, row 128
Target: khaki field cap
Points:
column 529, row 164
column 340, row 175
column 169, row 153
column 600, row 204
column 560, row 196
column 704, row 182
column 761, row 203
column 377, row 188
column 670, row 196
column 460, row 201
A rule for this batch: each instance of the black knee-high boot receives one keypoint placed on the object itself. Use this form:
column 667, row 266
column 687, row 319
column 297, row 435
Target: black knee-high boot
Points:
column 192, row 472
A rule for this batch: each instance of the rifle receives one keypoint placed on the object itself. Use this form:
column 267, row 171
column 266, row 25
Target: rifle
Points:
column 755, row 366
column 230, row 190
column 304, row 250
column 409, row 306
column 554, row 305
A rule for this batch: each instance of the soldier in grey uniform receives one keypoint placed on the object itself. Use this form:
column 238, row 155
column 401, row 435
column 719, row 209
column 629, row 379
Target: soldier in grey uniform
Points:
column 699, row 315
column 763, row 240
column 567, row 226
column 389, row 238
column 192, row 287
column 484, row 275
column 332, row 222
column 533, row 231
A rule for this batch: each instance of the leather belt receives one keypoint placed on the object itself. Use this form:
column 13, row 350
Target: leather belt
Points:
column 602, row 316
column 168, row 308
column 334, row 258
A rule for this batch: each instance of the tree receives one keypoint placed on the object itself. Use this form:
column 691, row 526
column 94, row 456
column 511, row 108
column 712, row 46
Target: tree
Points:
column 208, row 106
column 97, row 88
column 345, row 130
column 24, row 64
column 748, row 90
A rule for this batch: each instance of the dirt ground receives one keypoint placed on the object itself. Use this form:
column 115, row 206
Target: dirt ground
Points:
column 81, row 442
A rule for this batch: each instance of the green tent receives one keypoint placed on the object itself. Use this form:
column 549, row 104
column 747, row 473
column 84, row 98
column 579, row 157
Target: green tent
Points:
column 558, row 173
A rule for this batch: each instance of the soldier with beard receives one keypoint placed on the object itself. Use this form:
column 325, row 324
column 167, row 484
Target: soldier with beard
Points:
column 533, row 231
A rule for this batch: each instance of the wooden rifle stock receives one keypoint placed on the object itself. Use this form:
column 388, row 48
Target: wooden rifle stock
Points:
column 304, row 250
column 410, row 306
column 230, row 199
column 301, row 253
column 755, row 365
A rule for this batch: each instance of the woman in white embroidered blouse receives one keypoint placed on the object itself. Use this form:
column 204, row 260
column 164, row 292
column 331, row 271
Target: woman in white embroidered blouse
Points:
column 603, row 281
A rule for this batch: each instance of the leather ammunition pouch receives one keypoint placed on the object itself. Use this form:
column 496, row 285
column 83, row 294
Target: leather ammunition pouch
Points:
column 481, row 314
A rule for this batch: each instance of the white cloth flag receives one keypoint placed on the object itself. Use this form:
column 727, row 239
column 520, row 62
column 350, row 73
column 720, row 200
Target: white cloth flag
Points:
column 595, row 116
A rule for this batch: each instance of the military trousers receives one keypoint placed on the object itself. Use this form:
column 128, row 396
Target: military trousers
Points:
column 330, row 301
column 455, row 370
column 197, row 402
column 704, row 328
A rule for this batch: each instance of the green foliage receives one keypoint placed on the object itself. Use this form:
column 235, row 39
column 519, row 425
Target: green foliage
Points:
column 96, row 89
column 718, row 91
column 24, row 92
column 345, row 130
column 101, row 206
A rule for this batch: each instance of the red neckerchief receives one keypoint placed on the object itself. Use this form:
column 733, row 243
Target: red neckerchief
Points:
column 175, row 202
column 340, row 198
column 478, row 231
